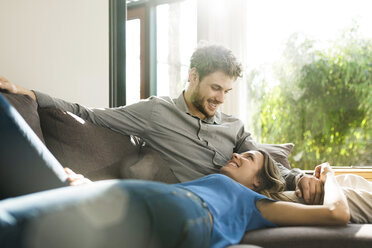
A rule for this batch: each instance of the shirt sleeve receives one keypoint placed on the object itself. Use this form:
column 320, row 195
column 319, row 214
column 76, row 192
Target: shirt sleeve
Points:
column 132, row 119
column 245, row 141
column 257, row 220
column 290, row 176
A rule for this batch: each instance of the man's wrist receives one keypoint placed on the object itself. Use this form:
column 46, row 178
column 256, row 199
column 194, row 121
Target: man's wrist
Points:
column 298, row 178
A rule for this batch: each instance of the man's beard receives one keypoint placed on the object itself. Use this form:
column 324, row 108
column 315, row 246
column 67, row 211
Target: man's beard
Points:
column 197, row 101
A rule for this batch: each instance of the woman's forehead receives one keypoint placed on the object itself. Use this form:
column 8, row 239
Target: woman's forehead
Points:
column 254, row 153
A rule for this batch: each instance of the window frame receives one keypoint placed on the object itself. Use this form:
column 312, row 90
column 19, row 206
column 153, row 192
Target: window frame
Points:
column 117, row 19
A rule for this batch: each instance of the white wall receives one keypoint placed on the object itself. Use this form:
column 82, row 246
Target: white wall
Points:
column 60, row 47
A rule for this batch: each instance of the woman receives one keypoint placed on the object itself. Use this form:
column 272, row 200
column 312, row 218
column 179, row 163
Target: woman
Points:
column 213, row 211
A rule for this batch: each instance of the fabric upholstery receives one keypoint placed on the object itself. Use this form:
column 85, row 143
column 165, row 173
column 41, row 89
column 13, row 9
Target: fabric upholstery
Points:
column 279, row 152
column 100, row 153
column 96, row 152
column 27, row 108
column 26, row 165
column 350, row 236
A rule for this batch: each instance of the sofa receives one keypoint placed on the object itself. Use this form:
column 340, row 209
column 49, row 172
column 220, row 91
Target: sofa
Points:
column 100, row 153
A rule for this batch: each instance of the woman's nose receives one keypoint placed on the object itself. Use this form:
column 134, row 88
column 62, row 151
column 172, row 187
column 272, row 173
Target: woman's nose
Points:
column 236, row 155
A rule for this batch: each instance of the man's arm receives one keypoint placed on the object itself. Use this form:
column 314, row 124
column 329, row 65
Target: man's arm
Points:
column 290, row 176
column 307, row 187
column 334, row 211
column 6, row 85
column 310, row 188
column 130, row 120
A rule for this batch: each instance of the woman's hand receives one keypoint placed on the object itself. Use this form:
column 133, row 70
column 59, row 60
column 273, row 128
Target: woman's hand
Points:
column 7, row 86
column 76, row 179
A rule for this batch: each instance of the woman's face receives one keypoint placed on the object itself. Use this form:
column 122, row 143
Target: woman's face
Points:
column 244, row 168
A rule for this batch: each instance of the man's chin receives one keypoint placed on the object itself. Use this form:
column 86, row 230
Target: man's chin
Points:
column 209, row 113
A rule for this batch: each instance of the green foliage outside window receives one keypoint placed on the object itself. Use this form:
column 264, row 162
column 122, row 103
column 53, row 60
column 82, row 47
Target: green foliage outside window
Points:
column 322, row 103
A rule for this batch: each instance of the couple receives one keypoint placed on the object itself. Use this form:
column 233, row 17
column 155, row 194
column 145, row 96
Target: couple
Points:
column 196, row 140
column 212, row 211
column 190, row 133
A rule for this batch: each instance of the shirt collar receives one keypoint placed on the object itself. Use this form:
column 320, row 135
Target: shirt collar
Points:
column 181, row 105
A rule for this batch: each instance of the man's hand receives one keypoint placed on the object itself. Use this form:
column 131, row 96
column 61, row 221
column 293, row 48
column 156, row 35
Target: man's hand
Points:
column 310, row 188
column 76, row 179
column 7, row 86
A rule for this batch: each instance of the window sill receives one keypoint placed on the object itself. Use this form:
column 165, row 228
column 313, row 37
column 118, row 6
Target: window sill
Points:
column 366, row 173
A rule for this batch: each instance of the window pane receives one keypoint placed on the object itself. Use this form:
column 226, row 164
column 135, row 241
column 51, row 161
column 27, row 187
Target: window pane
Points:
column 176, row 40
column 133, row 65
column 309, row 79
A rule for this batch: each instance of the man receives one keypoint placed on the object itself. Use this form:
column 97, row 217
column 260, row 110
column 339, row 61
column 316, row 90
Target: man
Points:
column 191, row 134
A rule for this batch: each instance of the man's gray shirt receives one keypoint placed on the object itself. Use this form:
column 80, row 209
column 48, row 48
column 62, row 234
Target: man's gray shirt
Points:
column 192, row 147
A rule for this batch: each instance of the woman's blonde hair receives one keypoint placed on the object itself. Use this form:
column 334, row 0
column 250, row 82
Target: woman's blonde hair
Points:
column 271, row 181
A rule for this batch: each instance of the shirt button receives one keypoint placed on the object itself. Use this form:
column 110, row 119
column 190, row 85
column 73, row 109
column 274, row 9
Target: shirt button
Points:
column 188, row 194
column 204, row 204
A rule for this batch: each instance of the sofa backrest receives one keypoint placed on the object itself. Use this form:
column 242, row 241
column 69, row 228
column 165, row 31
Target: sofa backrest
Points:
column 94, row 151
column 98, row 152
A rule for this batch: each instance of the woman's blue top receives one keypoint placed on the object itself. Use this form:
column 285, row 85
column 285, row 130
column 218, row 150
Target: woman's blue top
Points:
column 232, row 205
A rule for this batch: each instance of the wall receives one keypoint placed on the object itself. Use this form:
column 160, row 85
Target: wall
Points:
column 60, row 47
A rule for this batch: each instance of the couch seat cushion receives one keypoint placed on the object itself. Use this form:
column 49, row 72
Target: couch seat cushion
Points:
column 351, row 236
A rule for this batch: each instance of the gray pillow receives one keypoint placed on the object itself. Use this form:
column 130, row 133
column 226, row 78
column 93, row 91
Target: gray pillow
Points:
column 279, row 152
column 94, row 151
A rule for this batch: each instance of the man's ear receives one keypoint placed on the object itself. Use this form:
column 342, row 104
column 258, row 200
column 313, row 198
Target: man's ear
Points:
column 193, row 76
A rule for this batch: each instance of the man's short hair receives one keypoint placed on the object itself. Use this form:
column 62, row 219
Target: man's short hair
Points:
column 209, row 58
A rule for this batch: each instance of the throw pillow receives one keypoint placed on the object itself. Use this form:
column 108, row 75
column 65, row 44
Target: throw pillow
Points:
column 279, row 152
column 94, row 151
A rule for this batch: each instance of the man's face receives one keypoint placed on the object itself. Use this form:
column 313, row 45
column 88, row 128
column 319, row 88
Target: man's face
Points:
column 210, row 92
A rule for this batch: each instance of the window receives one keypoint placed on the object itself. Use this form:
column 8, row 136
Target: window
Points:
column 309, row 79
column 176, row 40
column 307, row 69
column 133, row 75
column 135, row 55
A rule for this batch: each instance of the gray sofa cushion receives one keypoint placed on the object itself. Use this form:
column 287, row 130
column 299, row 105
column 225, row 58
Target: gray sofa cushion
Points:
column 96, row 152
column 350, row 236
column 27, row 108
column 100, row 153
